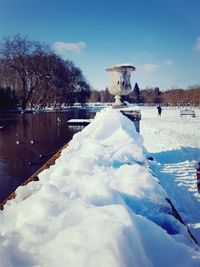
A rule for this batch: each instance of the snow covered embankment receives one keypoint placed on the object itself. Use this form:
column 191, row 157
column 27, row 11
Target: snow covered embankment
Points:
column 99, row 205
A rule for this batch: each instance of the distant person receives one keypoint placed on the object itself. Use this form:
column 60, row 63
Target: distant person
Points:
column 159, row 110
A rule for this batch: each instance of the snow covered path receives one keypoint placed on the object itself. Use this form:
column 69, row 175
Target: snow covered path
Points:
column 174, row 143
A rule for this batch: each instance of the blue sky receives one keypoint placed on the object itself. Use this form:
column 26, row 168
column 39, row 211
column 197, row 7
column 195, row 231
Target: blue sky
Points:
column 161, row 38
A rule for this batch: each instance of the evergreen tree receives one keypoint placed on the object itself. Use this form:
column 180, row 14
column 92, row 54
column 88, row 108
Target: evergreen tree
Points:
column 137, row 93
column 157, row 91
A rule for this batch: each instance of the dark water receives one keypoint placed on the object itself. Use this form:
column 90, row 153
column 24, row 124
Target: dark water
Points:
column 27, row 141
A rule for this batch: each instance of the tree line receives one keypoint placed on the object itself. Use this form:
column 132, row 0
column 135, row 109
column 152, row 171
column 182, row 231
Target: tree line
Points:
column 173, row 97
column 33, row 76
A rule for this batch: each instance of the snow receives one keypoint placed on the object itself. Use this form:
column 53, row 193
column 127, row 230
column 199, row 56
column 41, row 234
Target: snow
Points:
column 104, row 204
column 120, row 66
column 79, row 120
column 173, row 141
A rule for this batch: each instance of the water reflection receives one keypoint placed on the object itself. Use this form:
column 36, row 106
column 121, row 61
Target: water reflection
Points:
column 28, row 140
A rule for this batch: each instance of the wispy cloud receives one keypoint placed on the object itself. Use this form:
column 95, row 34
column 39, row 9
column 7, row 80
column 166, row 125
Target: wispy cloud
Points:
column 64, row 47
column 197, row 45
column 169, row 62
column 150, row 67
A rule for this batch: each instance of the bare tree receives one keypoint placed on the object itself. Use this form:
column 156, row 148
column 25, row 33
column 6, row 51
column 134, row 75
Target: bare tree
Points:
column 38, row 75
column 77, row 88
column 94, row 96
column 16, row 54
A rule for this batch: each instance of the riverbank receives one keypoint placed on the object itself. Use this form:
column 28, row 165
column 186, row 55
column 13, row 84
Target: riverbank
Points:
column 28, row 140
column 96, row 106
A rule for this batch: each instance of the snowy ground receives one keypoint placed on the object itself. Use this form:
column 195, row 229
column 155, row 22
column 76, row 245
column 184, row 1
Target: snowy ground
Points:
column 102, row 204
column 174, row 142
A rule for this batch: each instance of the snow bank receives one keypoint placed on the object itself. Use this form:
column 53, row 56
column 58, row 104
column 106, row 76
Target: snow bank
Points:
column 100, row 205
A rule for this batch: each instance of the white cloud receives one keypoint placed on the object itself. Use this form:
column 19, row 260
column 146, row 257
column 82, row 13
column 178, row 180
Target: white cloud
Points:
column 169, row 62
column 150, row 67
column 64, row 47
column 197, row 45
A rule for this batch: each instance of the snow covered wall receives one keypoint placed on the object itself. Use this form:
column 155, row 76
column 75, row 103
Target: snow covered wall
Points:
column 99, row 205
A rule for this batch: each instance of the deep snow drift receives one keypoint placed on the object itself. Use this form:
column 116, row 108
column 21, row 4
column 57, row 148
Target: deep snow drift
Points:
column 100, row 205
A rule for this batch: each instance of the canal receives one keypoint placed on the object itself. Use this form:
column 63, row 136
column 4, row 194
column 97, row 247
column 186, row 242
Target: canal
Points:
column 27, row 141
